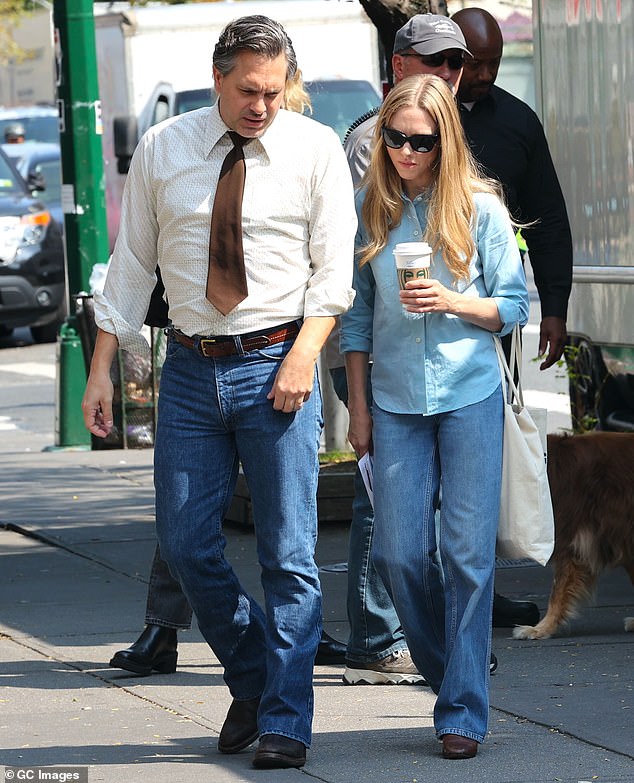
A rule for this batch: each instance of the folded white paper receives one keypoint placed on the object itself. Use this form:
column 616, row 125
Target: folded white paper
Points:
column 366, row 465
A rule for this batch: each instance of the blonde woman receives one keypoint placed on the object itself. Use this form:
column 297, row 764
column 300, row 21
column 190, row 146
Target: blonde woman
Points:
column 296, row 97
column 437, row 413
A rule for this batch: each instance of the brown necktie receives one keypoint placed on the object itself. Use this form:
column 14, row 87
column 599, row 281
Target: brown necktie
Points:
column 227, row 279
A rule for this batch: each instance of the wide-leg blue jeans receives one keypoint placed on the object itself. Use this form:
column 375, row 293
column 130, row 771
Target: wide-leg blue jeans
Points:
column 213, row 414
column 445, row 609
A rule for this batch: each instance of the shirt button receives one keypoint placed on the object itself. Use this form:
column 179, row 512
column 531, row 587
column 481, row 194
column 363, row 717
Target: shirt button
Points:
column 418, row 339
column 415, row 233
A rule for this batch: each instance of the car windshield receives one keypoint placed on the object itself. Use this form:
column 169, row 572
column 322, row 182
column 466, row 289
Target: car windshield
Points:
column 188, row 100
column 44, row 128
column 340, row 103
column 9, row 183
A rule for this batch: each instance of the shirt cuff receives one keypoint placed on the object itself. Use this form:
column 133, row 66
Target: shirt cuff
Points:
column 109, row 320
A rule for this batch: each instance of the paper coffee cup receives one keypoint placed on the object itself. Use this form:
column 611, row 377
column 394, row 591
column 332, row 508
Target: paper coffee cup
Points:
column 413, row 260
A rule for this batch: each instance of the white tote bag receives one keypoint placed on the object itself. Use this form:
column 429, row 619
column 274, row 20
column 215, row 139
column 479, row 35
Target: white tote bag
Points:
column 526, row 528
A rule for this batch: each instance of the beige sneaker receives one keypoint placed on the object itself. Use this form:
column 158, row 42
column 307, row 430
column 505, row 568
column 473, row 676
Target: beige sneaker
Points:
column 396, row 669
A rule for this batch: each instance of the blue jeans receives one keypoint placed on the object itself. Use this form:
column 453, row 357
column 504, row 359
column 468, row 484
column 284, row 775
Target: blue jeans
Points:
column 445, row 611
column 213, row 414
column 375, row 630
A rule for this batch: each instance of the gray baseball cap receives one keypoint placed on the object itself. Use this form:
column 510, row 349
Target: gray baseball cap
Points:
column 428, row 34
column 14, row 129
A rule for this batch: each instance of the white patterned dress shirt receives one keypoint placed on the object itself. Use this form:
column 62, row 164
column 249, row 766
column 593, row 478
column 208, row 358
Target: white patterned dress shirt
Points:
column 298, row 220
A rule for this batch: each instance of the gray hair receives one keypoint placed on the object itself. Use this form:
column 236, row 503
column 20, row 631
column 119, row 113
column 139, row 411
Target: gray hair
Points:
column 257, row 34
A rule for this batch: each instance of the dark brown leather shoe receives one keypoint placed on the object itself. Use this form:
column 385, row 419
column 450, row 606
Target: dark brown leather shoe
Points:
column 240, row 728
column 454, row 746
column 154, row 650
column 278, row 752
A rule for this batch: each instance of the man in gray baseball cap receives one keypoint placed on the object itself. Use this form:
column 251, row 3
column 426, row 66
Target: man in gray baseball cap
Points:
column 429, row 43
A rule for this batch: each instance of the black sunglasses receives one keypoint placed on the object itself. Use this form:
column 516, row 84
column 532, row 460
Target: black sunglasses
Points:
column 454, row 61
column 420, row 142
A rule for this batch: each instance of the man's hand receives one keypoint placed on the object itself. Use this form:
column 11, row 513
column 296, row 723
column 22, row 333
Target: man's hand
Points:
column 360, row 431
column 97, row 405
column 293, row 383
column 552, row 337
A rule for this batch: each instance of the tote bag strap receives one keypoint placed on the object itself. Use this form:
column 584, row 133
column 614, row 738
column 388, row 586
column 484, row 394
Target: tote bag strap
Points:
column 515, row 394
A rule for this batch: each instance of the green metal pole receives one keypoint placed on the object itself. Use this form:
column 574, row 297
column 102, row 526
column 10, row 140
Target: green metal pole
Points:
column 83, row 176
column 83, row 194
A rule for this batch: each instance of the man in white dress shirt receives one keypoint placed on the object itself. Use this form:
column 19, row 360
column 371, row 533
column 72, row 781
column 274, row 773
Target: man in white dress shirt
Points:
column 240, row 387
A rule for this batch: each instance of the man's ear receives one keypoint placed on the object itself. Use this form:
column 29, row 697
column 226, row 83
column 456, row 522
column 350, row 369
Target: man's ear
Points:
column 397, row 67
column 217, row 80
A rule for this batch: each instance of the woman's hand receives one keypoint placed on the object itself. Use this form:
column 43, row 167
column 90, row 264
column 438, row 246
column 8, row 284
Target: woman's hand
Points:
column 428, row 296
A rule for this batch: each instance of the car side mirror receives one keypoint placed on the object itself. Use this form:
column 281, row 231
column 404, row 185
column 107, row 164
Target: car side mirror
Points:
column 126, row 137
column 35, row 181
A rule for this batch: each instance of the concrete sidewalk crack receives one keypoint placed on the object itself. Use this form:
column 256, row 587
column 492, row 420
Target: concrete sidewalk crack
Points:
column 556, row 730
column 56, row 543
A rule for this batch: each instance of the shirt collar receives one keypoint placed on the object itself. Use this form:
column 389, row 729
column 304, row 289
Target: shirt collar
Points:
column 216, row 129
column 274, row 140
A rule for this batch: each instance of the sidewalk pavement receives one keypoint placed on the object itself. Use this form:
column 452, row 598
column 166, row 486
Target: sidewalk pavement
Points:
column 76, row 533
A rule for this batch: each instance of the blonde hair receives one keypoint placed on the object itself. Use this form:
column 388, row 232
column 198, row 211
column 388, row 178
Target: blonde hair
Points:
column 456, row 177
column 296, row 96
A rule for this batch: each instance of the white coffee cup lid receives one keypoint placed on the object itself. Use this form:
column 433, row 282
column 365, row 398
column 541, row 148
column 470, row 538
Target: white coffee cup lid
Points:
column 413, row 248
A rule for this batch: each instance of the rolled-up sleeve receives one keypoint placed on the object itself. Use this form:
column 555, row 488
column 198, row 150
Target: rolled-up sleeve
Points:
column 332, row 227
column 499, row 255
column 122, row 307
column 357, row 324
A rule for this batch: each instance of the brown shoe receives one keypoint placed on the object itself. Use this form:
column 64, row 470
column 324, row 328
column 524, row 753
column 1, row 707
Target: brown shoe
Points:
column 455, row 746
column 278, row 752
column 240, row 728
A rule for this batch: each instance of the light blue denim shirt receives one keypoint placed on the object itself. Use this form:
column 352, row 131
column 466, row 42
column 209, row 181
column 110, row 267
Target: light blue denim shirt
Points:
column 437, row 362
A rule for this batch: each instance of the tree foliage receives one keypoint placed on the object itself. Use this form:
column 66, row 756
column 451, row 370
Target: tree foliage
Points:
column 11, row 14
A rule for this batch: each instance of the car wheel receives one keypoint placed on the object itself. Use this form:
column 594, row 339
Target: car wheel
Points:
column 46, row 333
column 586, row 380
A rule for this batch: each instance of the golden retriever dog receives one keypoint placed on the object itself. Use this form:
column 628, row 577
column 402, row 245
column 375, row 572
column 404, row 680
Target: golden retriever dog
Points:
column 591, row 480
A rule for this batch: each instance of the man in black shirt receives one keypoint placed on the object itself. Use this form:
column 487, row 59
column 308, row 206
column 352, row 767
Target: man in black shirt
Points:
column 508, row 140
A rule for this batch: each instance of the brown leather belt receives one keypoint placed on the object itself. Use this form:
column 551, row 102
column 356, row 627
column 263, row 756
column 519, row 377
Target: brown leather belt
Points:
column 229, row 345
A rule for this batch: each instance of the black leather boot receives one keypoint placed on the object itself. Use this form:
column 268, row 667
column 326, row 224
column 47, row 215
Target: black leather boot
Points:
column 154, row 650
column 508, row 613
column 330, row 652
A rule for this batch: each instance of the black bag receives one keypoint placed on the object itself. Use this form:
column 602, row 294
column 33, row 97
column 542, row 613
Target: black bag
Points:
column 158, row 308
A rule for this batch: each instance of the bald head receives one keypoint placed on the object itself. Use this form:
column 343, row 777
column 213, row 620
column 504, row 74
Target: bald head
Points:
column 484, row 40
